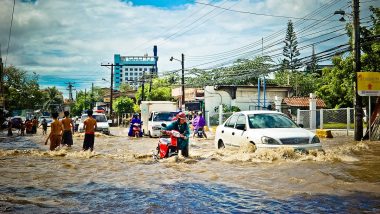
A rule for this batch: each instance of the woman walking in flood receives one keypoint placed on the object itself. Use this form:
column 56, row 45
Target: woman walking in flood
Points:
column 67, row 137
column 55, row 132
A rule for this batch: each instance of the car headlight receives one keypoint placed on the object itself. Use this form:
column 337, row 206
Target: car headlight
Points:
column 315, row 139
column 269, row 140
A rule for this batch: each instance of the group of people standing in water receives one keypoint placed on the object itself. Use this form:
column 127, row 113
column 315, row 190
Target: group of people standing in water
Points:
column 61, row 132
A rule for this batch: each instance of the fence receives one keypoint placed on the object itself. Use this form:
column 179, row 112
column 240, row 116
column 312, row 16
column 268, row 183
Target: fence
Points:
column 339, row 119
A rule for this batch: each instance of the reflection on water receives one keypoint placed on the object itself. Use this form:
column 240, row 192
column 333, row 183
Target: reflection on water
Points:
column 121, row 176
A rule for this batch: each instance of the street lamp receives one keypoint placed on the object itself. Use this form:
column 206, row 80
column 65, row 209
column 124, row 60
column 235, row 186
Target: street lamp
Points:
column 182, row 79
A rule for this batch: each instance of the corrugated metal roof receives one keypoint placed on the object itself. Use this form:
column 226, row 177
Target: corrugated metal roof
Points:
column 303, row 102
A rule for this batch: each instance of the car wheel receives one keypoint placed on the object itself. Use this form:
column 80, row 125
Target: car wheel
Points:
column 221, row 144
column 253, row 147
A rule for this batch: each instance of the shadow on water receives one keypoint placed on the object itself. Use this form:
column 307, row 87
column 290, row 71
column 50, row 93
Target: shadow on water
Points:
column 177, row 198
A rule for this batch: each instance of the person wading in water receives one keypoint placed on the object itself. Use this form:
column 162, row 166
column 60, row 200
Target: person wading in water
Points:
column 89, row 128
column 67, row 137
column 55, row 132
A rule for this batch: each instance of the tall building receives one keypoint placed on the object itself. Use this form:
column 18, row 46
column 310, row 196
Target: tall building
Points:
column 133, row 68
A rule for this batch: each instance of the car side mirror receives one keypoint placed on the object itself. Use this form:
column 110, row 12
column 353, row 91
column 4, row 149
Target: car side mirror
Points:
column 240, row 127
column 300, row 125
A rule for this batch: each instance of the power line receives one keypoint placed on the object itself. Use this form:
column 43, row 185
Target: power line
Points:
column 172, row 27
column 192, row 23
column 260, row 14
column 10, row 32
column 278, row 33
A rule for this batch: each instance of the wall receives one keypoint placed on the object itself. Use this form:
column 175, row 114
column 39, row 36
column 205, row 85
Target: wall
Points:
column 246, row 97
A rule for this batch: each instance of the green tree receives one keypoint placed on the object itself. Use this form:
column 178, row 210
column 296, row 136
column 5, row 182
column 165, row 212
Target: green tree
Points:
column 81, row 103
column 337, row 87
column 124, row 87
column 161, row 90
column 369, row 44
column 123, row 105
column 53, row 99
column 21, row 89
column 242, row 72
column 290, row 50
column 302, row 83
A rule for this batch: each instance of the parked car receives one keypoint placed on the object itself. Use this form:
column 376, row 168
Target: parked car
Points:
column 266, row 130
column 102, row 123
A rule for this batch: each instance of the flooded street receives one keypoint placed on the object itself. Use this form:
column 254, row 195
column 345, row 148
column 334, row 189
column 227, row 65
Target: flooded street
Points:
column 120, row 176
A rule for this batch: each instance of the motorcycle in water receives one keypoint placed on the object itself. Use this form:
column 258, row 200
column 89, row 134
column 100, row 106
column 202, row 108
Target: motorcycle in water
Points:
column 136, row 129
column 167, row 144
column 200, row 132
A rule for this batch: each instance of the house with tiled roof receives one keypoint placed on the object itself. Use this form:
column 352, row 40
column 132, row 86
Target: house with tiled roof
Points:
column 302, row 102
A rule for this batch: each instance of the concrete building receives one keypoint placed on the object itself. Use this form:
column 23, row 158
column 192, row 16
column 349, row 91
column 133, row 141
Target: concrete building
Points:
column 133, row 68
column 244, row 97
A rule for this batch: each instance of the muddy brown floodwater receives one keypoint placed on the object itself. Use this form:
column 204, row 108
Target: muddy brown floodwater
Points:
column 120, row 176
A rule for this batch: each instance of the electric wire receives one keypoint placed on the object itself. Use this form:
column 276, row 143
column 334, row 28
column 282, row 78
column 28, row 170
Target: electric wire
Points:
column 259, row 14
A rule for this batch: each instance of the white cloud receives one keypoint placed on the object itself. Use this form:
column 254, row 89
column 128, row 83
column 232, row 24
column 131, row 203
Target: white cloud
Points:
column 73, row 37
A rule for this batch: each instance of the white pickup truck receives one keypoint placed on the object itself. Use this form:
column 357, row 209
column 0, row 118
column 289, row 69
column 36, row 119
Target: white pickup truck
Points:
column 150, row 117
column 156, row 119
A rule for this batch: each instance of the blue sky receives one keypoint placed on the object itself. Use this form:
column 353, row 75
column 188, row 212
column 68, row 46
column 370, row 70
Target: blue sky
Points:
column 161, row 3
column 67, row 41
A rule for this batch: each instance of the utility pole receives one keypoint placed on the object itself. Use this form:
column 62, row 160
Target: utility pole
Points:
column 111, row 89
column 70, row 88
column 2, row 101
column 358, row 135
column 151, row 79
column 92, row 96
column 183, row 81
column 142, row 87
column 85, row 99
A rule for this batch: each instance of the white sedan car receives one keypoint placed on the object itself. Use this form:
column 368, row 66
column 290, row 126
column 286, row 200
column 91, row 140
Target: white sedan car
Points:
column 266, row 130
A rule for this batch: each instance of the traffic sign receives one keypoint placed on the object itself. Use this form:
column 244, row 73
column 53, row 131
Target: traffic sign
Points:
column 368, row 83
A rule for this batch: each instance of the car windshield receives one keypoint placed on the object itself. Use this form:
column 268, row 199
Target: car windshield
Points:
column 97, row 117
column 261, row 121
column 164, row 116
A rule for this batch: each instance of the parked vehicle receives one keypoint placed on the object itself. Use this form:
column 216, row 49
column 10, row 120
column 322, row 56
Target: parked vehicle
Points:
column 102, row 123
column 153, row 113
column 265, row 130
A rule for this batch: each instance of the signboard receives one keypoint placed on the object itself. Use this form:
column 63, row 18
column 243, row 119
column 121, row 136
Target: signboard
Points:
column 106, row 100
column 368, row 83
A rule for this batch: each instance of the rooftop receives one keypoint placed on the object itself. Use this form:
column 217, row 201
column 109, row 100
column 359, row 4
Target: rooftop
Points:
column 302, row 102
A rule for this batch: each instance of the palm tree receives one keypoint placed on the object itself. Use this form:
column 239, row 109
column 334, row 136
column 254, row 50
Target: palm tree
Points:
column 53, row 99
